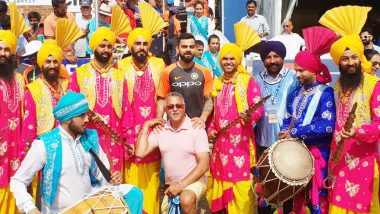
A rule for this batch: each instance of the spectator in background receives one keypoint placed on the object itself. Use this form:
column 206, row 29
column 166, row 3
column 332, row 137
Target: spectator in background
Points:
column 367, row 38
column 155, row 6
column 32, row 72
column 210, row 58
column 174, row 30
column 83, row 22
column 21, row 41
column 199, row 25
column 199, row 47
column 50, row 26
column 37, row 31
column 104, row 14
column 292, row 41
column 130, row 11
column 374, row 57
column 190, row 6
column 258, row 23
column 3, row 10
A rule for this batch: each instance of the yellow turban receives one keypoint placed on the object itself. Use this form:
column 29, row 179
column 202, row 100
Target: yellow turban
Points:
column 51, row 49
column 101, row 34
column 9, row 39
column 353, row 43
column 136, row 33
column 232, row 49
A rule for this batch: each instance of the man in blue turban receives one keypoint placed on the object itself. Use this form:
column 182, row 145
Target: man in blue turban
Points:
column 278, row 81
column 69, row 171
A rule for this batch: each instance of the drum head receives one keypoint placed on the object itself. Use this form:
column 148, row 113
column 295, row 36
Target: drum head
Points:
column 292, row 161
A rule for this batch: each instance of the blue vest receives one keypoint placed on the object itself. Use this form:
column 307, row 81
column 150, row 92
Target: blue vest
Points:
column 52, row 169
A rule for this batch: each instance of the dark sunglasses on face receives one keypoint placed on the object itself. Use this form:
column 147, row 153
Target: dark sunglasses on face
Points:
column 178, row 106
column 375, row 63
column 285, row 26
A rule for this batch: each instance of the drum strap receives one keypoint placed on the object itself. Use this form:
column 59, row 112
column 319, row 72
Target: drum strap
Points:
column 103, row 169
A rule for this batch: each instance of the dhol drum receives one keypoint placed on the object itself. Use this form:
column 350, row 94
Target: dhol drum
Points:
column 283, row 170
column 106, row 200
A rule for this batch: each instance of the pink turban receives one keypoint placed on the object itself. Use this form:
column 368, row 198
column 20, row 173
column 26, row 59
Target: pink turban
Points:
column 318, row 41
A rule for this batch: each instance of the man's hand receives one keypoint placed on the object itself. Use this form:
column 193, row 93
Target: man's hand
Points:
column 173, row 190
column 153, row 123
column 211, row 135
column 198, row 123
column 284, row 135
column 85, row 32
column 34, row 211
column 97, row 118
column 348, row 134
column 130, row 149
column 246, row 117
column 71, row 59
column 116, row 178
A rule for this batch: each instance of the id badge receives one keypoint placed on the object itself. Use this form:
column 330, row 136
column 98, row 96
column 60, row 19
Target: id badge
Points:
column 272, row 116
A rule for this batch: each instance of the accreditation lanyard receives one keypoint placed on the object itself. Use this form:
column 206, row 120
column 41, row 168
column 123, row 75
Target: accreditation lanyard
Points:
column 273, row 100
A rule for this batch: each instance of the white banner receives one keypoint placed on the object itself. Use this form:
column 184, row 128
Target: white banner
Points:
column 30, row 2
column 74, row 3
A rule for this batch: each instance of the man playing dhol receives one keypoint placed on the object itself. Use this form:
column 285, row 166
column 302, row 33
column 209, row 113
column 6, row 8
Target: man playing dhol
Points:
column 69, row 172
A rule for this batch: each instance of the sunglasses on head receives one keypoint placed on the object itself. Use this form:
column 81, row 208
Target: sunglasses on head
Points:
column 177, row 106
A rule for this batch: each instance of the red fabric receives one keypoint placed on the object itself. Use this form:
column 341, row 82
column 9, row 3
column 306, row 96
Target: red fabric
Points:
column 318, row 42
column 222, row 202
column 312, row 63
column 131, row 17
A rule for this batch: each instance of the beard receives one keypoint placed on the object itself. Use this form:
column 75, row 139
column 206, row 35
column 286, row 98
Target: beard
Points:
column 101, row 58
column 75, row 129
column 50, row 77
column 186, row 59
column 7, row 69
column 139, row 58
column 348, row 80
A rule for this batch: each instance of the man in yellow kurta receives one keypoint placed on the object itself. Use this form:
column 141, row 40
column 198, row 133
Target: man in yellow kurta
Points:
column 142, row 72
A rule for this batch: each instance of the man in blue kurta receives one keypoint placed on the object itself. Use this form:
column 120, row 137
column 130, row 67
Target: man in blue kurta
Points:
column 69, row 172
column 278, row 81
column 312, row 107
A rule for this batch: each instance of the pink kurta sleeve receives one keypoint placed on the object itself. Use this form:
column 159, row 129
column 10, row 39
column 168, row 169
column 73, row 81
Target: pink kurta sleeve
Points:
column 369, row 133
column 128, row 122
column 29, row 126
column 254, row 96
column 73, row 83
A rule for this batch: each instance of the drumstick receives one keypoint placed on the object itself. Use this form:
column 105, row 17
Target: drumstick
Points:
column 237, row 120
column 291, row 125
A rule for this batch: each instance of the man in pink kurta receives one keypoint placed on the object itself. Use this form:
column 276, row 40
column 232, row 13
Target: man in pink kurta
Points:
column 11, row 96
column 233, row 153
column 106, row 90
column 354, row 172
column 142, row 73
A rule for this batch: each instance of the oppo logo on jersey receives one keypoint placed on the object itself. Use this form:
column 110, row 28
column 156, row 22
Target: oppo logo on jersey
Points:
column 186, row 84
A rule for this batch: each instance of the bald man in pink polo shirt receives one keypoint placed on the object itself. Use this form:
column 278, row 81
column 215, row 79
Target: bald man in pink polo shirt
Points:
column 184, row 151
